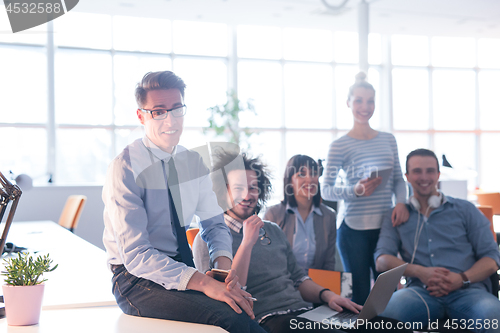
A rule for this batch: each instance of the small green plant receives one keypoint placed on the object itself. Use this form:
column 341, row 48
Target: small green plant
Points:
column 225, row 119
column 26, row 271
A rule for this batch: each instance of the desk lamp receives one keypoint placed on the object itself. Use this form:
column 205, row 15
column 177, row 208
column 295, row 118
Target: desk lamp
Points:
column 8, row 192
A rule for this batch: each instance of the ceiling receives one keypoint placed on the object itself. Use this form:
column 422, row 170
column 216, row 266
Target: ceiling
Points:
column 475, row 18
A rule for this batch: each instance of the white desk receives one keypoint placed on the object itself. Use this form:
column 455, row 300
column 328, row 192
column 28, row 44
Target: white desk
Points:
column 78, row 295
column 103, row 319
column 82, row 278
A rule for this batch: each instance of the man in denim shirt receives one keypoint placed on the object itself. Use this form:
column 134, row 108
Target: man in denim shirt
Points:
column 145, row 224
column 451, row 251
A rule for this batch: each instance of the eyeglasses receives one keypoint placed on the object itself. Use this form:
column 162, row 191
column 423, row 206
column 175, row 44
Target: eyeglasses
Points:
column 264, row 240
column 160, row 114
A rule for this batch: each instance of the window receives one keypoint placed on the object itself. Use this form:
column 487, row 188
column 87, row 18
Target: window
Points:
column 262, row 83
column 206, row 81
column 442, row 98
column 454, row 100
column 307, row 44
column 308, row 102
column 410, row 50
column 26, row 152
column 83, row 93
column 83, row 161
column 489, row 85
column 407, row 142
column 24, row 93
column 346, row 47
column 259, row 42
column 83, row 30
column 453, row 52
column 128, row 71
column 410, row 98
column 488, row 53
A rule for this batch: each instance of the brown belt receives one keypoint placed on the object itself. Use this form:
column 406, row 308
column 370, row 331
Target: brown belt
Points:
column 114, row 268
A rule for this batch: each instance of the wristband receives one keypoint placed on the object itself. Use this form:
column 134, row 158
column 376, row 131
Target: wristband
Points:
column 321, row 293
column 465, row 280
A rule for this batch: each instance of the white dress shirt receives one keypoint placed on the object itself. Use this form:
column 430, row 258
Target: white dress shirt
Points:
column 138, row 230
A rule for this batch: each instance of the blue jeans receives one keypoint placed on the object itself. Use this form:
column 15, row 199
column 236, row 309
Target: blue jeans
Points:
column 464, row 305
column 356, row 249
column 143, row 298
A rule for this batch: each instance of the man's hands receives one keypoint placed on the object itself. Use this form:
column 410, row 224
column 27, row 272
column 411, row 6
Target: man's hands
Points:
column 400, row 214
column 251, row 227
column 338, row 303
column 234, row 297
column 231, row 280
column 365, row 187
column 224, row 292
column 440, row 281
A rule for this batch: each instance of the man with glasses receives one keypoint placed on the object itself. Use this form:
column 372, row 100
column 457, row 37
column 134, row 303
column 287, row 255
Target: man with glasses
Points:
column 153, row 189
column 264, row 260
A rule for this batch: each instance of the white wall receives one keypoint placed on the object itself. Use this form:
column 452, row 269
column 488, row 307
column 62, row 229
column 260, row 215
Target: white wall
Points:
column 47, row 202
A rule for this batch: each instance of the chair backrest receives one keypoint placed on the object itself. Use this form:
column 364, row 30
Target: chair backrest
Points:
column 326, row 279
column 191, row 234
column 71, row 212
column 490, row 199
column 488, row 212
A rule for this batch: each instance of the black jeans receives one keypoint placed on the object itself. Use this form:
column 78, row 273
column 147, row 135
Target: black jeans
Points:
column 144, row 298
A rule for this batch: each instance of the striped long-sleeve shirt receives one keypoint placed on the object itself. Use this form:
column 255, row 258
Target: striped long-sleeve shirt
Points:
column 358, row 158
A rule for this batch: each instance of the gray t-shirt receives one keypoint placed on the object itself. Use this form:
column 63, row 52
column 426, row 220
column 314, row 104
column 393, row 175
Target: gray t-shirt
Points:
column 272, row 274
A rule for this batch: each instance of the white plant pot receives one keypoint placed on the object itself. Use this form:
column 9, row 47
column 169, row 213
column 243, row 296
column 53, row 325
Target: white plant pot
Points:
column 23, row 304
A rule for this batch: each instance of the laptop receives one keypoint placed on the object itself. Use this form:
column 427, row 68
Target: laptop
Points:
column 378, row 299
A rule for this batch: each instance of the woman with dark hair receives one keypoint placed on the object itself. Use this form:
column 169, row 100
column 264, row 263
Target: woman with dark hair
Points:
column 361, row 153
column 308, row 224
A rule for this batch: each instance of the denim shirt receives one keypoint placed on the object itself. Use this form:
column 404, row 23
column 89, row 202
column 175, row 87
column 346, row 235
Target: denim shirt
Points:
column 138, row 230
column 454, row 236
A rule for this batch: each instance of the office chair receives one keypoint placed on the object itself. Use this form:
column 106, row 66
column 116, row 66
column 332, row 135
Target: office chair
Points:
column 490, row 199
column 488, row 212
column 191, row 234
column 71, row 212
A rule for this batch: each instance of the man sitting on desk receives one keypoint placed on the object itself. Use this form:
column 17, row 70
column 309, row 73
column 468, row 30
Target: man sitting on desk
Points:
column 152, row 191
column 451, row 251
column 264, row 260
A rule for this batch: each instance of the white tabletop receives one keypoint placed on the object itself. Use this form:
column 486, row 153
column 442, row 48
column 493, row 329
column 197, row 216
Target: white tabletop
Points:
column 103, row 319
column 82, row 278
column 78, row 295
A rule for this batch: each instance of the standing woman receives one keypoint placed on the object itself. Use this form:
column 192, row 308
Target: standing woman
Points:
column 358, row 153
column 308, row 224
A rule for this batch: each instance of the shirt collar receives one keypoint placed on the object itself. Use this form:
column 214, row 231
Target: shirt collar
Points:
column 156, row 151
column 446, row 199
column 294, row 210
column 232, row 223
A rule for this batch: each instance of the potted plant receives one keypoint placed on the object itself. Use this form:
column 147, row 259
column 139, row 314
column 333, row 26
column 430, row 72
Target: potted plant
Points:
column 225, row 119
column 23, row 291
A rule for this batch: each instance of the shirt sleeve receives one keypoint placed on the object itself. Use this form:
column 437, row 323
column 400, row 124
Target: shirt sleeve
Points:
column 213, row 230
column 399, row 184
column 329, row 263
column 329, row 189
column 479, row 233
column 125, row 214
column 389, row 241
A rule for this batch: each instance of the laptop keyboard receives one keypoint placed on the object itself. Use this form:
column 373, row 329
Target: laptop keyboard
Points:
column 345, row 315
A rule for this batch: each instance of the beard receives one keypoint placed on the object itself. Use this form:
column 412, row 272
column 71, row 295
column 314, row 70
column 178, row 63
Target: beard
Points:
column 241, row 215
